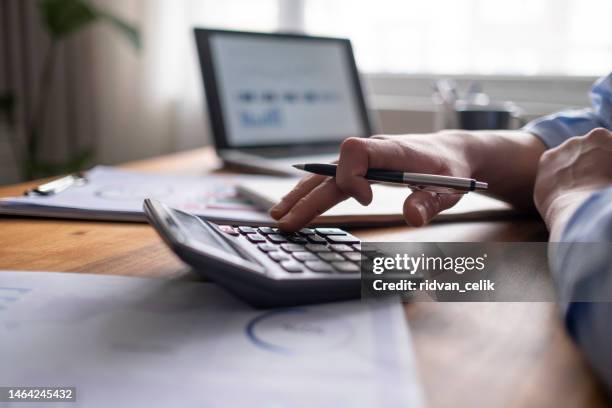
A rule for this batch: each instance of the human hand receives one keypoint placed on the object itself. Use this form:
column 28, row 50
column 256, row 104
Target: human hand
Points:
column 436, row 153
column 569, row 174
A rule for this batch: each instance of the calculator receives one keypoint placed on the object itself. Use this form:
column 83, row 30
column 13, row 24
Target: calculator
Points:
column 262, row 265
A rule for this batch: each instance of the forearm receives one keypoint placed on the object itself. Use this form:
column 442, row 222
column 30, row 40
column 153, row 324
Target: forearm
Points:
column 581, row 268
column 507, row 160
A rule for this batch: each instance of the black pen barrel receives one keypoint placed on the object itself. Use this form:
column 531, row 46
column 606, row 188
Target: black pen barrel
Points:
column 372, row 174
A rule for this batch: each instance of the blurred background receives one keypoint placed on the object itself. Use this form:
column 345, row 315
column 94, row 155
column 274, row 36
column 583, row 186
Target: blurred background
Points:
column 124, row 83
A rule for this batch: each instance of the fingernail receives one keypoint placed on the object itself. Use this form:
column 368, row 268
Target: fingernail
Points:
column 422, row 212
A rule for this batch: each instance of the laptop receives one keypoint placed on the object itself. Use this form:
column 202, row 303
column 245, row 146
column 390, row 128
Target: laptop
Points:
column 278, row 99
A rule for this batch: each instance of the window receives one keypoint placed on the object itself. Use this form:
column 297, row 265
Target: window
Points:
column 524, row 37
column 258, row 15
column 498, row 37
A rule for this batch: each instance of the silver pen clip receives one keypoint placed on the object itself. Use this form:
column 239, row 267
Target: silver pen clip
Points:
column 57, row 186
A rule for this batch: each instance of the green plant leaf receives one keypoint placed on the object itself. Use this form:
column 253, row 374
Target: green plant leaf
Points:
column 130, row 32
column 63, row 17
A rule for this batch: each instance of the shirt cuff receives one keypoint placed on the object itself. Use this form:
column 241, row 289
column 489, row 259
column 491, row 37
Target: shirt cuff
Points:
column 555, row 129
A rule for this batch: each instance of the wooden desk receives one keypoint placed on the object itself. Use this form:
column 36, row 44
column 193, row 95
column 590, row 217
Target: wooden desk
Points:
column 469, row 354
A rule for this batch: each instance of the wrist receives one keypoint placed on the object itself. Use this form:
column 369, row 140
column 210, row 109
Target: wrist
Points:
column 558, row 212
column 466, row 147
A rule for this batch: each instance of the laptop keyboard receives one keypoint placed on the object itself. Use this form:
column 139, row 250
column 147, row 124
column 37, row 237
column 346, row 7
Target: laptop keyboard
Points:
column 320, row 250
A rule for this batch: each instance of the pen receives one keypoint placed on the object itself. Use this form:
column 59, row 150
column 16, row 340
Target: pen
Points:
column 412, row 179
column 58, row 185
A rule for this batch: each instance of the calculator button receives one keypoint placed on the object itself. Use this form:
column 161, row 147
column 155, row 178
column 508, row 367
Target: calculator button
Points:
column 341, row 248
column 305, row 256
column 317, row 248
column 228, row 229
column 352, row 256
column 247, row 230
column 279, row 256
column 357, row 247
column 292, row 247
column 319, row 266
column 296, row 239
column 267, row 247
column 292, row 266
column 316, row 239
column 331, row 256
column 330, row 231
column 276, row 238
column 343, row 239
column 307, row 231
column 345, row 266
column 255, row 238
column 267, row 230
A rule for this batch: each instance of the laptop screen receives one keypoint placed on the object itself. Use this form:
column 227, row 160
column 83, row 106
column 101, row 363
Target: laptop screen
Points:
column 284, row 89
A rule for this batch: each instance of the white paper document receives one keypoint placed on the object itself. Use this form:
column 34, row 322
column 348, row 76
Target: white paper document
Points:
column 130, row 342
column 115, row 194
column 385, row 208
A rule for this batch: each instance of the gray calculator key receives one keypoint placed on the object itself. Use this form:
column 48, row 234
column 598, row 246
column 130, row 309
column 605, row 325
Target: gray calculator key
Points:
column 279, row 256
column 316, row 239
column 341, row 248
column 255, row 238
column 307, row 231
column 247, row 230
column 343, row 239
column 352, row 256
column 331, row 256
column 292, row 266
column 330, row 231
column 267, row 247
column 345, row 266
column 276, row 238
column 305, row 256
column 267, row 230
column 292, row 247
column 319, row 266
column 296, row 239
column 317, row 248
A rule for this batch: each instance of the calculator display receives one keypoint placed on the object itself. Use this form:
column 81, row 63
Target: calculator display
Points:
column 200, row 231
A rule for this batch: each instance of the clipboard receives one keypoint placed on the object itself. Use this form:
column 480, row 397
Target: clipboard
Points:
column 112, row 194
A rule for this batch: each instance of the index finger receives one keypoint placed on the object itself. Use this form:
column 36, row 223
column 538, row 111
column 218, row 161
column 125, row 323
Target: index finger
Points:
column 305, row 186
column 320, row 199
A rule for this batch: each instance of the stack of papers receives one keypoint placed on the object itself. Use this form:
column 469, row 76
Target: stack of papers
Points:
column 146, row 342
column 117, row 195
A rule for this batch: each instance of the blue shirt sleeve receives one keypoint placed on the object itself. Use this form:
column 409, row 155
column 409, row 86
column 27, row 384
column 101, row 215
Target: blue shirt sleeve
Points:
column 582, row 268
column 556, row 128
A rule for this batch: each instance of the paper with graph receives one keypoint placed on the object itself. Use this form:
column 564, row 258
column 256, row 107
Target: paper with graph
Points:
column 149, row 342
column 115, row 194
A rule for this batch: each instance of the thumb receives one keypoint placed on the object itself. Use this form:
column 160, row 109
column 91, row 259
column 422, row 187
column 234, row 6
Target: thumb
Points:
column 421, row 206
